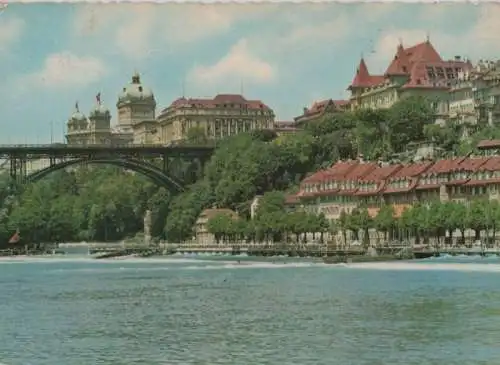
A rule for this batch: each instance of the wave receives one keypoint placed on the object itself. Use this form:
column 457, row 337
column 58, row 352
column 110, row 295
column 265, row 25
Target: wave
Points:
column 410, row 266
column 91, row 259
column 212, row 266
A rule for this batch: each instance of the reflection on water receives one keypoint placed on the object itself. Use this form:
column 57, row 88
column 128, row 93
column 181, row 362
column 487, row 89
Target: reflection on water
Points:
column 198, row 311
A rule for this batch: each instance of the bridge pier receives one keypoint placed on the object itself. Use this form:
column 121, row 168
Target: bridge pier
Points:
column 18, row 171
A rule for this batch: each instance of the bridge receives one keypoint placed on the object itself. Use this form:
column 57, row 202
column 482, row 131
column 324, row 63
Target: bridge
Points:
column 153, row 161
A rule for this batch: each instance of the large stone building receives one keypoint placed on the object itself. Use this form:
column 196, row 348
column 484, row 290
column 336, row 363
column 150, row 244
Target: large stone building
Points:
column 418, row 70
column 350, row 184
column 136, row 109
column 222, row 116
column 137, row 123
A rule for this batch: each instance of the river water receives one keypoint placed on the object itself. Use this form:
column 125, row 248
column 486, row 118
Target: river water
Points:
column 75, row 311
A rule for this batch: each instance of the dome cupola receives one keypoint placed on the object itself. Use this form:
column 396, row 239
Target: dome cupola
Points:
column 135, row 92
column 77, row 120
column 99, row 111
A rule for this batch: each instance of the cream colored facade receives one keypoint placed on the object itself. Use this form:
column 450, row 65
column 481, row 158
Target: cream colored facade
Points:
column 223, row 116
column 136, row 119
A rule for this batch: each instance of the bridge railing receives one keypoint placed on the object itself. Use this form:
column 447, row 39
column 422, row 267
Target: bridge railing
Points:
column 100, row 146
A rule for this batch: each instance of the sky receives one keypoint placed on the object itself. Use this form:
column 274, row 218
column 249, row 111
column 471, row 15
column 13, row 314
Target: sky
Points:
column 287, row 55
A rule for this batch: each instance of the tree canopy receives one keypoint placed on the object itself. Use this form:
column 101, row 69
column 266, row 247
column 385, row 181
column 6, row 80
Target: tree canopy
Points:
column 106, row 203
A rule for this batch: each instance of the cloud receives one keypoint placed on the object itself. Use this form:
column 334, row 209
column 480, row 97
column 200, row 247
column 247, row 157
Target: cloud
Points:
column 477, row 41
column 141, row 29
column 66, row 70
column 238, row 64
column 11, row 30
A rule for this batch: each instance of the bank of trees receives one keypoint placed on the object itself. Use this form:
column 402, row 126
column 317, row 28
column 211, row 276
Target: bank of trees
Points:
column 439, row 221
column 101, row 204
column 272, row 223
column 109, row 204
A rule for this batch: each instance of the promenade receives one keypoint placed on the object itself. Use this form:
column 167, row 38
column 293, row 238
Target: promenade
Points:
column 280, row 250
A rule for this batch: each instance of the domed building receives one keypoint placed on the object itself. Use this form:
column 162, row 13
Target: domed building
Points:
column 136, row 111
column 100, row 123
column 78, row 127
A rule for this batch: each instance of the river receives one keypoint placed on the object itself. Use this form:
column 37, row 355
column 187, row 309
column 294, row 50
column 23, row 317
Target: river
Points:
column 78, row 311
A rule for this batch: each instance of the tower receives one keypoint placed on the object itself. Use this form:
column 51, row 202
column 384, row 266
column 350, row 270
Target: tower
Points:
column 77, row 127
column 136, row 103
column 100, row 122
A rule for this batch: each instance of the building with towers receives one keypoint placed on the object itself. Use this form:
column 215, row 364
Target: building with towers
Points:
column 418, row 70
column 136, row 114
column 137, row 122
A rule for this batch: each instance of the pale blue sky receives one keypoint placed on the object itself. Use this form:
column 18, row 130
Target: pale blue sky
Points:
column 287, row 55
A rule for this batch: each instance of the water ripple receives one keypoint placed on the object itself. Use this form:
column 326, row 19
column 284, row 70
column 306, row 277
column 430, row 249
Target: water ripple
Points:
column 219, row 312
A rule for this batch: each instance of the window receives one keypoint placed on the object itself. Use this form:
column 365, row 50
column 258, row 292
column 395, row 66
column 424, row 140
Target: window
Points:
column 449, row 73
column 430, row 73
column 140, row 89
column 440, row 72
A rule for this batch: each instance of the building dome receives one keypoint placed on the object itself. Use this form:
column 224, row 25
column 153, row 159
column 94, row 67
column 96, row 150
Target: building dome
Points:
column 77, row 119
column 99, row 111
column 136, row 92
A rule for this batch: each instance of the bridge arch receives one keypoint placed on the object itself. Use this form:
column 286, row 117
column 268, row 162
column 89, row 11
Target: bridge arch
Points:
column 147, row 169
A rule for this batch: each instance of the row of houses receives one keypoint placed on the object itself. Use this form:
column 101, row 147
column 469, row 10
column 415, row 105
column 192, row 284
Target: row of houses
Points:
column 349, row 184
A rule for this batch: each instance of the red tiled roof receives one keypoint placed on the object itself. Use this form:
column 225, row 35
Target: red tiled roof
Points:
column 218, row 101
column 472, row 164
column 319, row 107
column 414, row 62
column 379, row 176
column 400, row 64
column 381, row 173
column 360, row 171
column 493, row 164
column 363, row 77
column 411, row 170
column 488, row 143
column 490, row 164
column 444, row 166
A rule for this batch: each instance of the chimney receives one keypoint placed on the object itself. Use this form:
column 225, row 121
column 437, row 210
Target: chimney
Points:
column 458, row 58
column 305, row 110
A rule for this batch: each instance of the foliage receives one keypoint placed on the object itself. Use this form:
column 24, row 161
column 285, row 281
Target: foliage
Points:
column 109, row 204
column 435, row 219
column 272, row 223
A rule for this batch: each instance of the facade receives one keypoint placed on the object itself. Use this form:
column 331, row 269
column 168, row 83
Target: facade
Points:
column 474, row 98
column 136, row 124
column 414, row 71
column 225, row 115
column 350, row 184
column 486, row 92
column 321, row 109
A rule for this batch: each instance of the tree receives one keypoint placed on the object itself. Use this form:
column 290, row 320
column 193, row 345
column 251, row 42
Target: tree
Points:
column 384, row 221
column 406, row 121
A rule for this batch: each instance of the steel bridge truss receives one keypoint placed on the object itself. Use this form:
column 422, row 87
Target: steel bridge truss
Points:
column 155, row 162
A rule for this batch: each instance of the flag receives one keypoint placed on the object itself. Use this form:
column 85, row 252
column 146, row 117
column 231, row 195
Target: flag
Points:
column 76, row 106
column 98, row 98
